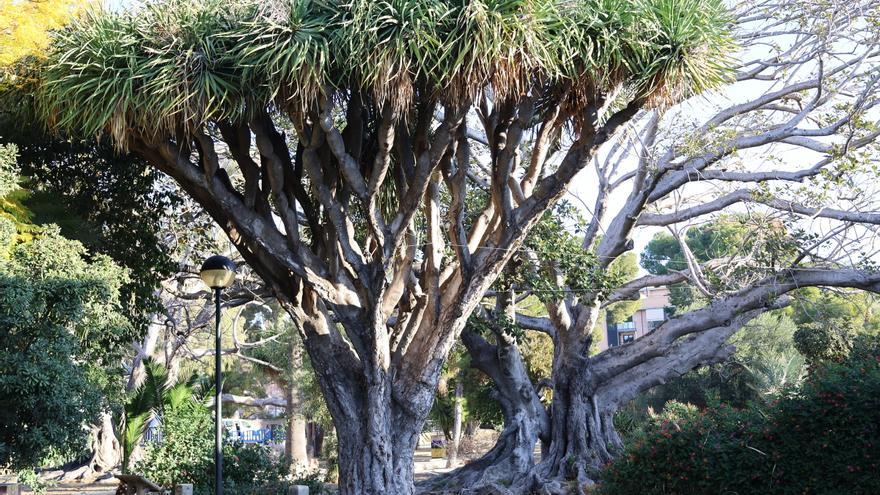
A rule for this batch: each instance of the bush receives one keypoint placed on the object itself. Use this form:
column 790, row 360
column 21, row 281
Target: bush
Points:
column 34, row 481
column 824, row 341
column 186, row 455
column 820, row 439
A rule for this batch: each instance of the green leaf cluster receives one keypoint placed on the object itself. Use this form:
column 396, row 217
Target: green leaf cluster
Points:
column 114, row 204
column 185, row 454
column 8, row 169
column 63, row 335
column 554, row 263
column 176, row 65
column 768, row 245
column 821, row 438
column 155, row 398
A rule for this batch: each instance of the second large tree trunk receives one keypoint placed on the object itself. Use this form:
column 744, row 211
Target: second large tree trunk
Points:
column 578, row 435
column 583, row 437
column 511, row 460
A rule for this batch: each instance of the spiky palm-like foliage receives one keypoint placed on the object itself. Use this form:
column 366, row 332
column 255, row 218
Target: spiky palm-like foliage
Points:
column 179, row 64
column 156, row 395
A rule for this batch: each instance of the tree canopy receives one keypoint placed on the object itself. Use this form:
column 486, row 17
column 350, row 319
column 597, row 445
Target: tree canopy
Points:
column 26, row 24
column 178, row 65
column 63, row 333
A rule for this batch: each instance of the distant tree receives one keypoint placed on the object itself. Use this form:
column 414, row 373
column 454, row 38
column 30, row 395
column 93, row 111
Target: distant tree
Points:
column 62, row 304
column 26, row 24
column 114, row 204
column 624, row 268
column 271, row 353
column 860, row 313
column 718, row 240
column 63, row 335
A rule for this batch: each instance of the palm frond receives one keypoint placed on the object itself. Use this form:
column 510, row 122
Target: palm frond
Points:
column 177, row 65
column 688, row 49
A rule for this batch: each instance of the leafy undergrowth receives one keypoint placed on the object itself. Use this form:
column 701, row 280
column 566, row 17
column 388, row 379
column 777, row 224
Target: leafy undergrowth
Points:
column 823, row 438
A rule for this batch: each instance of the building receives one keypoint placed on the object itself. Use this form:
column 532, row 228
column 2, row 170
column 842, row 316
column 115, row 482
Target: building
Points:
column 649, row 316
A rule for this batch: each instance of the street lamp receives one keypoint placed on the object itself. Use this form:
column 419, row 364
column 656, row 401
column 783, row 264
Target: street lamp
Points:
column 218, row 273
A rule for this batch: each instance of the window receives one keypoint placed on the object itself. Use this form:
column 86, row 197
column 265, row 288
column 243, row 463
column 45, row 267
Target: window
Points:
column 654, row 314
column 624, row 337
column 625, row 325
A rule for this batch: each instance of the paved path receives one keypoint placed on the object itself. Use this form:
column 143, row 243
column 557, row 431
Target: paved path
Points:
column 425, row 467
column 103, row 488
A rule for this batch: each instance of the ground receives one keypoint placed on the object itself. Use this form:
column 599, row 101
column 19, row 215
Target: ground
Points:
column 425, row 467
column 471, row 448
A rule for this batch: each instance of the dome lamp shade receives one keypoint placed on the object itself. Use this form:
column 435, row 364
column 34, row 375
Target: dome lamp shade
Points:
column 218, row 272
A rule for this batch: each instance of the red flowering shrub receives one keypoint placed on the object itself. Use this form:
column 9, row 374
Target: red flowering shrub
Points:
column 823, row 438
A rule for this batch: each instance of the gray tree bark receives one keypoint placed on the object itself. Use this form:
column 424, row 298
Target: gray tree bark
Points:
column 525, row 422
column 106, row 450
column 452, row 451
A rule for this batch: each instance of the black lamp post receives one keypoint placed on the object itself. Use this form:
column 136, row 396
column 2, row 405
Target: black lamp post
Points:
column 218, row 273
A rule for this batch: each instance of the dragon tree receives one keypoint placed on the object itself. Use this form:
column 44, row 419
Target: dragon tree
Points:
column 331, row 142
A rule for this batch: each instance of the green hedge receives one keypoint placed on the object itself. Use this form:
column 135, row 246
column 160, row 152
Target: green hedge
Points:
column 823, row 438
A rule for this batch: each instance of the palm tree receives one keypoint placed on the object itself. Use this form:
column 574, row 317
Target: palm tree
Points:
column 152, row 399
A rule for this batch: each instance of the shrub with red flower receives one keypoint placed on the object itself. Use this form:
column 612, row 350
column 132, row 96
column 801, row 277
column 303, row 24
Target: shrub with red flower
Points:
column 819, row 439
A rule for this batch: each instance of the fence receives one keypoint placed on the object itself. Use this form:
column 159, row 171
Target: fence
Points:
column 273, row 434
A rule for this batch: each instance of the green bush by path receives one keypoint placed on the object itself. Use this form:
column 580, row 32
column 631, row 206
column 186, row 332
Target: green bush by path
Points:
column 821, row 439
column 186, row 455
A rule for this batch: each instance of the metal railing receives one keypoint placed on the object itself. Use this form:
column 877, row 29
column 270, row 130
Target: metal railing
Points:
column 153, row 434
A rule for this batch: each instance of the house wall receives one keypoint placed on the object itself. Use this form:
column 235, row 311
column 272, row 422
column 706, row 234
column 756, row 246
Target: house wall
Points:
column 653, row 300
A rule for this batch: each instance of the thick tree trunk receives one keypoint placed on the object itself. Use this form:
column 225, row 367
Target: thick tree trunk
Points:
column 106, row 451
column 377, row 425
column 588, row 391
column 376, row 454
column 578, row 435
column 583, row 437
column 511, row 460
column 581, row 440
